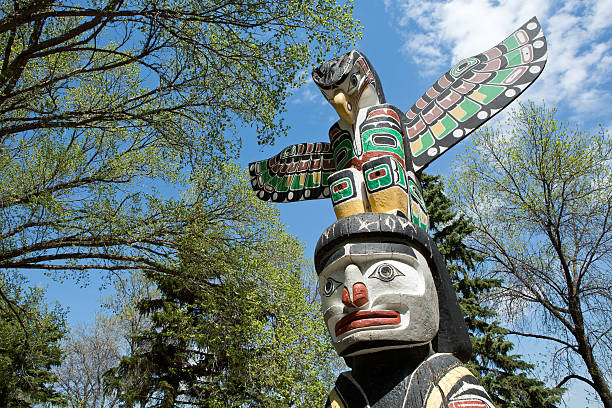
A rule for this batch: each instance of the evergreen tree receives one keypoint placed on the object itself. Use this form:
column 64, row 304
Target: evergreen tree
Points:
column 30, row 333
column 504, row 375
column 235, row 326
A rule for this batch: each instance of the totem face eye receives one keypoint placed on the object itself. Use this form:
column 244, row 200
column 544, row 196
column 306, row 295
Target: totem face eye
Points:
column 354, row 80
column 385, row 273
column 330, row 286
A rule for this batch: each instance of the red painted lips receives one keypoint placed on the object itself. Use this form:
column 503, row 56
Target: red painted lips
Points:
column 366, row 318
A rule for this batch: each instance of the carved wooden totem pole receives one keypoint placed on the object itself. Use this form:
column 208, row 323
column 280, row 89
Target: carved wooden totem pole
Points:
column 387, row 298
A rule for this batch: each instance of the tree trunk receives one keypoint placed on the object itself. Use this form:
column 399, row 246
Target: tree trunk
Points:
column 586, row 351
column 599, row 381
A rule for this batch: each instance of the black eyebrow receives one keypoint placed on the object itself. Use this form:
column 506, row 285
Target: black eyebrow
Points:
column 370, row 248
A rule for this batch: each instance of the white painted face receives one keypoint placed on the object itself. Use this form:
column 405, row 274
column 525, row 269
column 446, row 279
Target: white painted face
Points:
column 379, row 300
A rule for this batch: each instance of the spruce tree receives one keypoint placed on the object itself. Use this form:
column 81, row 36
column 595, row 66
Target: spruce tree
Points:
column 505, row 376
column 234, row 325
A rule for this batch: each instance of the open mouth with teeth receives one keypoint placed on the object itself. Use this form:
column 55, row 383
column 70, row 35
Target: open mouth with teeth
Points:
column 366, row 318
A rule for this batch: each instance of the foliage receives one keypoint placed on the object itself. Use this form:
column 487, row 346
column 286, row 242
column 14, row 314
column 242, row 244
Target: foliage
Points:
column 539, row 193
column 107, row 107
column 150, row 67
column 30, row 333
column 505, row 376
column 235, row 326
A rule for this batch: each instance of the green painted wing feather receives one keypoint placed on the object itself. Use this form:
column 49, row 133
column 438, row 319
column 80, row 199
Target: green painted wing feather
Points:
column 297, row 173
column 472, row 92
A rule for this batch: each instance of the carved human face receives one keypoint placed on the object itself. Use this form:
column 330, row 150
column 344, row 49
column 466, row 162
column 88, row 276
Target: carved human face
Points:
column 376, row 298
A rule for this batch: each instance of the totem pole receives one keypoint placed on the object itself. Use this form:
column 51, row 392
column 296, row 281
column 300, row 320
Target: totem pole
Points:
column 386, row 295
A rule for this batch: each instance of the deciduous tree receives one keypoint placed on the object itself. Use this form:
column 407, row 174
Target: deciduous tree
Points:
column 107, row 107
column 236, row 325
column 90, row 351
column 540, row 195
column 509, row 379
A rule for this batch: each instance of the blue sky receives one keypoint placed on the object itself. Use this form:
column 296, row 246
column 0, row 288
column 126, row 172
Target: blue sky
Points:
column 411, row 43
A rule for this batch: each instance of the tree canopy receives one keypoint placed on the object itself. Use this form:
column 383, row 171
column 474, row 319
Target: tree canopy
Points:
column 118, row 119
column 236, row 326
column 539, row 192
column 110, row 110
column 508, row 379
column 178, row 69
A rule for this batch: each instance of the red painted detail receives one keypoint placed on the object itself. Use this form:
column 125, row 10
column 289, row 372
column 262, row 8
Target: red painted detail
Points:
column 315, row 164
column 416, row 128
column 346, row 298
column 357, row 163
column 340, row 186
column 521, row 36
column 363, row 87
column 377, row 174
column 449, row 100
column 526, row 54
column 384, row 112
column 366, row 318
column 444, row 82
column 360, row 294
column 421, row 103
column 333, row 132
column 464, row 87
column 434, row 113
column 363, row 64
column 432, row 92
column 329, row 164
column 514, row 76
column 493, row 65
column 292, row 167
column 479, row 77
column 467, row 404
column 309, row 147
column 300, row 149
column 493, row 53
column 304, row 164
column 410, row 114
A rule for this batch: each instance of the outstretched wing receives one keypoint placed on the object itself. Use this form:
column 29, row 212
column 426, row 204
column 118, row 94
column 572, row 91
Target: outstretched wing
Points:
column 297, row 173
column 473, row 91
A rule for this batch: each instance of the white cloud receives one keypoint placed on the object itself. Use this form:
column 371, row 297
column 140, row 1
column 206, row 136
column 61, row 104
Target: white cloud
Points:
column 308, row 93
column 437, row 34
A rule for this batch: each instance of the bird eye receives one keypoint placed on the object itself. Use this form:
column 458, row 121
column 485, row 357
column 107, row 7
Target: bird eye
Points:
column 385, row 273
column 330, row 286
column 354, row 80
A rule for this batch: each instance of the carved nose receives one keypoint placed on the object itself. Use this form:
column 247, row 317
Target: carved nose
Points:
column 360, row 295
